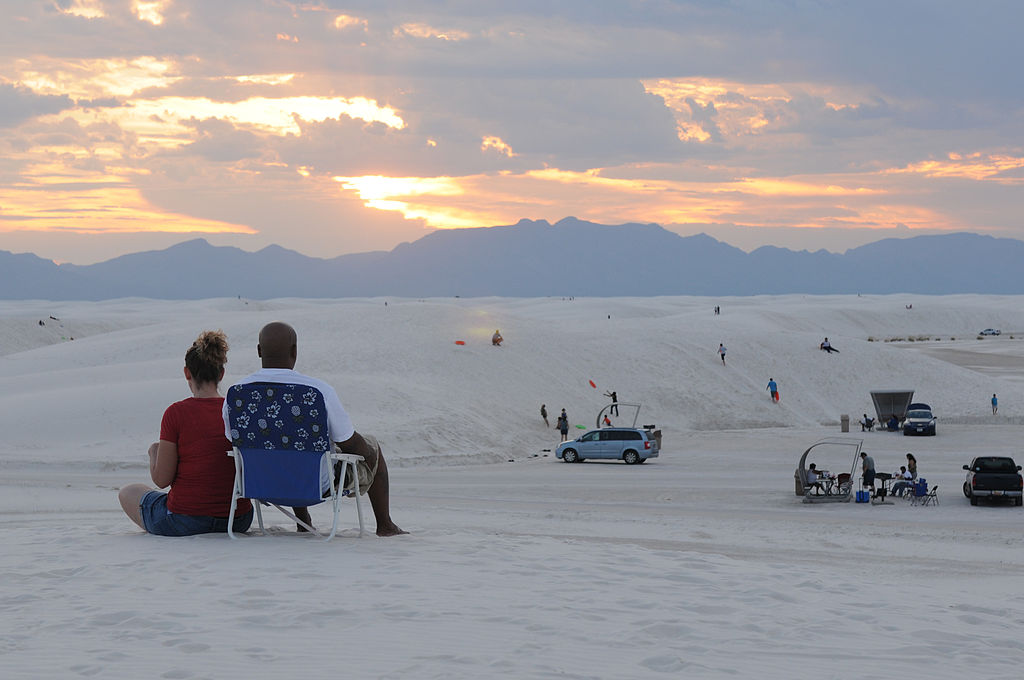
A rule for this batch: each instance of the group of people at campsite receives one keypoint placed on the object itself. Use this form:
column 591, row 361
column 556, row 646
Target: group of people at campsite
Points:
column 902, row 480
column 192, row 455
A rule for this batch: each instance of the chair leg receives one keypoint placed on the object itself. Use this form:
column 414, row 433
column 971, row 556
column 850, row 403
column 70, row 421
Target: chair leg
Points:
column 231, row 513
column 359, row 503
column 259, row 517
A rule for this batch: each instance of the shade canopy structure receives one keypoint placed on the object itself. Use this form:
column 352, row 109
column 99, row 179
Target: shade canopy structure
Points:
column 891, row 402
column 835, row 449
column 623, row 408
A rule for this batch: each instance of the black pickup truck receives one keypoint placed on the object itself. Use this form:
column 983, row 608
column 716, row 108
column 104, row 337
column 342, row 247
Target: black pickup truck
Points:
column 993, row 477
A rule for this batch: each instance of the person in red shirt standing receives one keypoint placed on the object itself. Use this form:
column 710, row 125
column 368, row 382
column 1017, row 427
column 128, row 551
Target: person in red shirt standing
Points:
column 191, row 457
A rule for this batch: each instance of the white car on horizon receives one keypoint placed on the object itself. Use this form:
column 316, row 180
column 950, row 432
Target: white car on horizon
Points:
column 991, row 331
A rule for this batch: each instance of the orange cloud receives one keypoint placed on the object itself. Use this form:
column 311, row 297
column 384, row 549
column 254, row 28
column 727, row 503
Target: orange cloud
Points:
column 95, row 78
column 344, row 21
column 150, row 10
column 497, row 144
column 976, row 166
column 740, row 108
column 427, row 32
column 89, row 9
column 484, row 200
column 54, row 198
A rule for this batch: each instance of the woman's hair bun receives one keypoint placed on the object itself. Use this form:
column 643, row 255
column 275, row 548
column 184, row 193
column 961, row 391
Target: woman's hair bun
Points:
column 207, row 356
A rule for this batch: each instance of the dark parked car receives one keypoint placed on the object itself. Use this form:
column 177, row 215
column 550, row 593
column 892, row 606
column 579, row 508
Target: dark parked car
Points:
column 993, row 477
column 920, row 420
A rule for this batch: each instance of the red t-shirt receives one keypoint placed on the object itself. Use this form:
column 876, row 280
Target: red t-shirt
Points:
column 206, row 474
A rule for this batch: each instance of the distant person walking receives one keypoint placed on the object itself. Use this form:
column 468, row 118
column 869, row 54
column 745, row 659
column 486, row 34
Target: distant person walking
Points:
column 774, row 389
column 721, row 352
column 615, row 403
column 995, row 405
column 544, row 414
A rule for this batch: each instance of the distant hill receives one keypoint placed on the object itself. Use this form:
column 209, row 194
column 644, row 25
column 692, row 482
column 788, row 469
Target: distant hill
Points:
column 533, row 259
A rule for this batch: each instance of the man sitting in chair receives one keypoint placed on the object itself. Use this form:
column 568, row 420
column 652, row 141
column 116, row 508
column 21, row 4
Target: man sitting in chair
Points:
column 277, row 350
column 812, row 479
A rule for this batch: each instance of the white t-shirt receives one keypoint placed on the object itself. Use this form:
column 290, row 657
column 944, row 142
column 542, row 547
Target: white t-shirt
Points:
column 339, row 424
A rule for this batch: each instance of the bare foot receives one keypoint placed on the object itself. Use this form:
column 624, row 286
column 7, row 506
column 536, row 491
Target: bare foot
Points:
column 390, row 530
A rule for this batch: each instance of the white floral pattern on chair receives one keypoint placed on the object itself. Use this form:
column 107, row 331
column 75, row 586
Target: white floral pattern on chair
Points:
column 255, row 412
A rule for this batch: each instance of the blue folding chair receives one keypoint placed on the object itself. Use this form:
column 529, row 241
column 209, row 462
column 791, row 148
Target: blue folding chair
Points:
column 283, row 451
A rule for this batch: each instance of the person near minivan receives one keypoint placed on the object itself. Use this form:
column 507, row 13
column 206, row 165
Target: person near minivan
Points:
column 563, row 425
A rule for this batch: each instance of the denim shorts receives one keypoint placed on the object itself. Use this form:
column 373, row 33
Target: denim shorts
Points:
column 162, row 522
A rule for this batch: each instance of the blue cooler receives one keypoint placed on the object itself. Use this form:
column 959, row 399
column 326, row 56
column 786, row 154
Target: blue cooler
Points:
column 921, row 487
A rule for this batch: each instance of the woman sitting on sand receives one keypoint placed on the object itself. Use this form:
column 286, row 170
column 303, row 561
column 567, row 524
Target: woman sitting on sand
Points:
column 191, row 456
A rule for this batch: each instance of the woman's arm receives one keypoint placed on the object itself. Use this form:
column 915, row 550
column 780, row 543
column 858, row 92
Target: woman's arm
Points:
column 163, row 463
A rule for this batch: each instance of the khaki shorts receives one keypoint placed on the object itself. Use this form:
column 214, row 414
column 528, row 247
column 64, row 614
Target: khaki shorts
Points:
column 363, row 469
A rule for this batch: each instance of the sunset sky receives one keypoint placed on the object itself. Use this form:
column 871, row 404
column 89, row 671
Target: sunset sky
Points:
column 336, row 127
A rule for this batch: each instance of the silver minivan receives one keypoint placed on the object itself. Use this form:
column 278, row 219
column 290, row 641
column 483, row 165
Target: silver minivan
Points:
column 612, row 443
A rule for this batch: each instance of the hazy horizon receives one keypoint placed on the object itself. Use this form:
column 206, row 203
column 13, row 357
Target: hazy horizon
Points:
column 253, row 246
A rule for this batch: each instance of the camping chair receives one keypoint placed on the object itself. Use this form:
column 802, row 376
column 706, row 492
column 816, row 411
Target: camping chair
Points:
column 918, row 495
column 283, row 450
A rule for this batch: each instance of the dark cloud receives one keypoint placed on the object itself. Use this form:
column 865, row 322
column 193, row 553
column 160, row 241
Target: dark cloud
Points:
column 99, row 103
column 19, row 103
column 221, row 142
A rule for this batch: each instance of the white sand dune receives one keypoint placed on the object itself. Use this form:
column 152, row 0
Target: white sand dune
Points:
column 702, row 562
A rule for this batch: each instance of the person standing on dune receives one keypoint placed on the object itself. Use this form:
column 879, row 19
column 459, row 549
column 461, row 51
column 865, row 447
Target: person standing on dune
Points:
column 721, row 352
column 774, row 389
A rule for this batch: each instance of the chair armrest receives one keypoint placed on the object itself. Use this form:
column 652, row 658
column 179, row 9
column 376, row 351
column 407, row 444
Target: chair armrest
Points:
column 350, row 457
